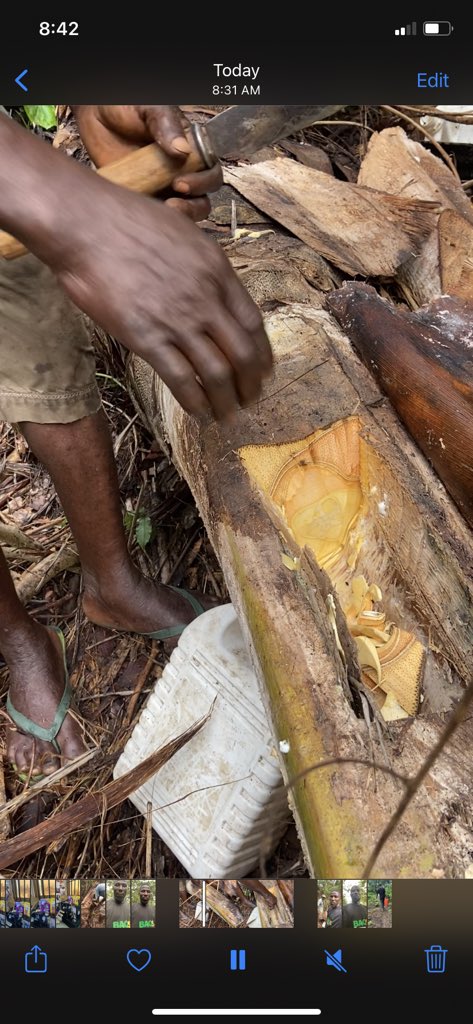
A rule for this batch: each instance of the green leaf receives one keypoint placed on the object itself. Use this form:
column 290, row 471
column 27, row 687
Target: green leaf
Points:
column 44, row 116
column 143, row 531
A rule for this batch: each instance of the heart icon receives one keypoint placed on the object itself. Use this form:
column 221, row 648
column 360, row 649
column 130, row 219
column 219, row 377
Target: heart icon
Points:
column 138, row 958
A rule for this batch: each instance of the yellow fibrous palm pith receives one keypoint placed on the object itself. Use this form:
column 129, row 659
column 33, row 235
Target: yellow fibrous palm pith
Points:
column 316, row 484
column 319, row 492
column 390, row 658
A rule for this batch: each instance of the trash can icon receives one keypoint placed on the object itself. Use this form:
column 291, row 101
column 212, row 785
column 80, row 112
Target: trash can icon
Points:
column 436, row 957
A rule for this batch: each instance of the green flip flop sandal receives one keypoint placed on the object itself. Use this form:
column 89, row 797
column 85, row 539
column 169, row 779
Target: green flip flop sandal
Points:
column 171, row 631
column 25, row 725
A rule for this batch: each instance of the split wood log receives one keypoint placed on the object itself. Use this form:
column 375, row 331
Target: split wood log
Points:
column 424, row 362
column 416, row 547
column 398, row 165
column 277, row 916
column 361, row 230
column 221, row 904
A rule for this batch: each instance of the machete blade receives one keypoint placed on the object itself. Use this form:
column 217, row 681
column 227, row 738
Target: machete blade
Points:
column 240, row 131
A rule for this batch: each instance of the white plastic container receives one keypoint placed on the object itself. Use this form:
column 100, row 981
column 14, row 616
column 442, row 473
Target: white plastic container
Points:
column 450, row 131
column 220, row 800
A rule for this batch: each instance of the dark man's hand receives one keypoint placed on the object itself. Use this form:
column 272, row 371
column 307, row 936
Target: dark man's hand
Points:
column 112, row 132
column 155, row 282
column 139, row 269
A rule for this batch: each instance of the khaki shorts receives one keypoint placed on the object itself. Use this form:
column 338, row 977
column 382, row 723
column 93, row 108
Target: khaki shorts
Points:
column 47, row 360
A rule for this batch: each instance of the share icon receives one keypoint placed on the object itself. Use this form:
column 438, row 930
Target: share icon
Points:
column 335, row 960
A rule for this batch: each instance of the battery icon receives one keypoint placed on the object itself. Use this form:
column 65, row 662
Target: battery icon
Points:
column 437, row 28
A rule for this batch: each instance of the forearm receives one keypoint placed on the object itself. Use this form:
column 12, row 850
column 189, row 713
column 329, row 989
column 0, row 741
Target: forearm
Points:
column 43, row 193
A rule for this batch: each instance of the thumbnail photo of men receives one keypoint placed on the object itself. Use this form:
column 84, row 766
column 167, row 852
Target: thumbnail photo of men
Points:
column 118, row 912
column 329, row 903
column 143, row 904
column 355, row 910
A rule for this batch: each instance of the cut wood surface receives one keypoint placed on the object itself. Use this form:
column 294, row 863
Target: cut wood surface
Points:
column 279, row 915
column 361, row 230
column 266, row 903
column 223, row 906
column 424, row 363
column 308, row 688
column 396, row 164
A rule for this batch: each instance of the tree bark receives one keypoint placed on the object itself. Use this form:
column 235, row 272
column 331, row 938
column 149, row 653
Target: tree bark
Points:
column 311, row 690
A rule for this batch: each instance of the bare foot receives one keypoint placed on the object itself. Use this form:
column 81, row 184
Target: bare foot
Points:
column 36, row 687
column 138, row 605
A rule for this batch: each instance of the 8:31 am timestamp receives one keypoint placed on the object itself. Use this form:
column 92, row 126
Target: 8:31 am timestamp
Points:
column 236, row 90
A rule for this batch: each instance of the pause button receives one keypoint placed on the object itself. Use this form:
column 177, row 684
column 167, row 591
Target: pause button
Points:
column 238, row 960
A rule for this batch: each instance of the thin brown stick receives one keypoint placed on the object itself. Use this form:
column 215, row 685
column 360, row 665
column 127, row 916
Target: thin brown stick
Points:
column 348, row 760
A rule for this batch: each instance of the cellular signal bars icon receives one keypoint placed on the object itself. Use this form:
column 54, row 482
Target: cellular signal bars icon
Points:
column 406, row 30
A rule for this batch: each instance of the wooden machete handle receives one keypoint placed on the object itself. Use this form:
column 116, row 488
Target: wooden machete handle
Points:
column 147, row 170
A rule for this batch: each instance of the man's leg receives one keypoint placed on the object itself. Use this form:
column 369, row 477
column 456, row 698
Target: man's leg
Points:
column 79, row 459
column 33, row 653
column 48, row 385
column 47, row 374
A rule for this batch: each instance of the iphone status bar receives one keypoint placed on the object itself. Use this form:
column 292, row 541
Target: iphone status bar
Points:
column 316, row 59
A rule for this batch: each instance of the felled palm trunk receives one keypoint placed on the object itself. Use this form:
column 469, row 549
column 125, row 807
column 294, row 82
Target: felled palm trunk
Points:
column 302, row 584
column 424, row 362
